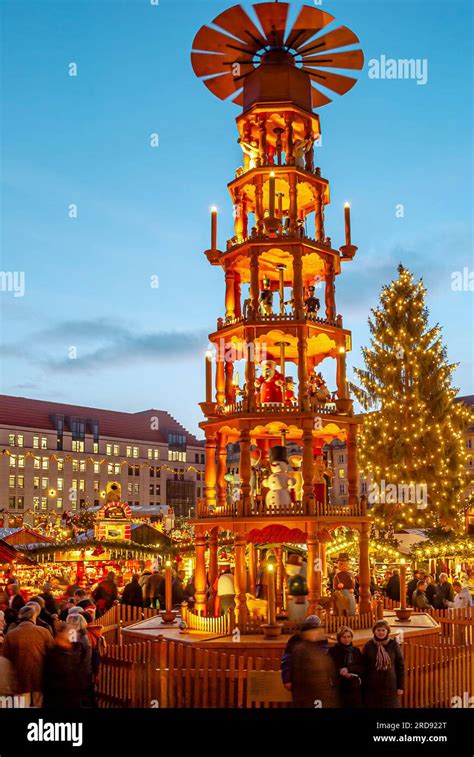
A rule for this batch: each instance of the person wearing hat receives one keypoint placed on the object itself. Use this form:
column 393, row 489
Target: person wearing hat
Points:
column 348, row 661
column 307, row 670
column 266, row 298
column 270, row 383
column 384, row 669
column 311, row 303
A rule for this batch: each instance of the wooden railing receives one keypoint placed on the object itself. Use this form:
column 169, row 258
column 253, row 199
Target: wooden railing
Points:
column 173, row 674
column 277, row 318
column 222, row 625
column 261, row 509
column 120, row 616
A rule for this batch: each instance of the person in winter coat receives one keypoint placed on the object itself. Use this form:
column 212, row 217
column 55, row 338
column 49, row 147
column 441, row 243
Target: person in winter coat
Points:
column 348, row 661
column 419, row 599
column 106, row 591
column 77, row 626
column 411, row 586
column 462, row 596
column 312, row 675
column 132, row 593
column 430, row 589
column 392, row 589
column 26, row 647
column 154, row 590
column 45, row 617
column 310, row 631
column 16, row 600
column 49, row 601
column 177, row 589
column 384, row 669
column 65, row 682
column 444, row 593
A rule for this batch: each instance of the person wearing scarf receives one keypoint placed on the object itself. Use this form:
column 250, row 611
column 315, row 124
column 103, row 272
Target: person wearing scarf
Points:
column 384, row 669
column 348, row 661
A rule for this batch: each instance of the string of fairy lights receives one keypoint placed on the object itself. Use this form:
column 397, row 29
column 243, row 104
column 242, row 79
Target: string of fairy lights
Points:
column 415, row 435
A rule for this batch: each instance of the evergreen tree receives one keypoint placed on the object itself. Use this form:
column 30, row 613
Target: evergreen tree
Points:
column 411, row 445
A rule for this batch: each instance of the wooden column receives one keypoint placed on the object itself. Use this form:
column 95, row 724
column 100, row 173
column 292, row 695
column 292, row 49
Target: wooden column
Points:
column 200, row 575
column 237, row 296
column 259, row 204
column 254, row 281
column 308, row 495
column 279, row 578
column 250, row 369
column 210, row 471
column 220, row 376
column 221, row 470
column 318, row 215
column 303, row 368
column 314, row 583
column 289, row 145
column 229, row 383
column 364, row 569
column 229, row 293
column 352, row 472
column 213, row 545
column 298, row 282
column 293, row 204
column 341, row 378
column 245, row 471
column 329, row 292
column 240, row 579
column 252, row 563
column 322, row 554
column 262, row 143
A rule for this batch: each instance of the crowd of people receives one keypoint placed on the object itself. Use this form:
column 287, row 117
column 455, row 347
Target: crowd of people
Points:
column 425, row 592
column 342, row 675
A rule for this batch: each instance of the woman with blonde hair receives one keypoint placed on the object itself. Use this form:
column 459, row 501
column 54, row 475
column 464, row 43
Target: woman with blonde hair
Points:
column 348, row 661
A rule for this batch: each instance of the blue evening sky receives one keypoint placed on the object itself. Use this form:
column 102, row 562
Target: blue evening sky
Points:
column 144, row 211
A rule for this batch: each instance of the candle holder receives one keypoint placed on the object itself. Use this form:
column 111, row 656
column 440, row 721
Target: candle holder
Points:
column 403, row 614
column 272, row 630
column 348, row 251
column 168, row 616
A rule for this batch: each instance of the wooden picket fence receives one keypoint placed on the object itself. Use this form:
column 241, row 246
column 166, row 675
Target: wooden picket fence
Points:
column 356, row 622
column 457, row 623
column 173, row 674
column 120, row 616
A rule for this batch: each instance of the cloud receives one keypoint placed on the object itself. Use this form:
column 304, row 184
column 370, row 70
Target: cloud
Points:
column 87, row 345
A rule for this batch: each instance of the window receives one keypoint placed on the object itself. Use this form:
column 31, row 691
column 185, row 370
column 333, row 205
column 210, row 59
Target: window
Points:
column 21, row 461
column 59, row 420
column 74, row 483
column 152, row 489
column 12, row 440
column 177, row 456
column 136, row 452
column 152, row 471
column 12, row 481
column 44, row 503
column 108, row 449
column 157, row 489
column 36, row 482
column 202, row 459
column 44, row 483
column 96, row 467
column 96, row 486
column 136, row 488
column 37, row 463
column 36, row 442
column 60, row 484
column 82, row 466
column 128, row 452
column 21, row 482
column 44, row 463
column 363, row 487
column 11, row 503
column 196, row 457
column 342, row 473
column 95, row 448
column 469, row 444
column 341, row 459
column 20, row 503
column 12, row 461
column 153, row 454
column 78, row 429
column 59, row 503
column 342, row 488
column 110, row 469
column 20, row 440
column 44, row 442
column 36, row 503
column 95, row 436
column 75, row 466
column 130, row 488
column 78, row 445
column 82, row 485
column 116, row 449
column 60, row 464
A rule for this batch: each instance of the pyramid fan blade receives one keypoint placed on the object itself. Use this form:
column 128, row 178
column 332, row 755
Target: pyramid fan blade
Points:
column 340, row 37
column 318, row 99
column 272, row 17
column 336, row 82
column 212, row 41
column 309, row 22
column 239, row 100
column 351, row 59
column 222, row 86
column 235, row 21
column 207, row 64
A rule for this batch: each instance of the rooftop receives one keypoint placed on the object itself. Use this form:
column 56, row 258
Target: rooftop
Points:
column 28, row 413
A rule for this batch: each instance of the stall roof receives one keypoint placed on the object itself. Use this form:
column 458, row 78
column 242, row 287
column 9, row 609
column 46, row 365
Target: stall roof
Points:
column 22, row 535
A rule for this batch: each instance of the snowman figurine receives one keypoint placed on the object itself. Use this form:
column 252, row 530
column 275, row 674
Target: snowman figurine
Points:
column 279, row 479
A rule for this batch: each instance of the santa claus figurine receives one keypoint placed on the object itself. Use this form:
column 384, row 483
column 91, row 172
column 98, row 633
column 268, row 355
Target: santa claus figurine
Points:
column 270, row 383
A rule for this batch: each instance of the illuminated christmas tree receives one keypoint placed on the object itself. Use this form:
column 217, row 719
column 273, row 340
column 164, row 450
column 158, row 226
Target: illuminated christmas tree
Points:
column 411, row 442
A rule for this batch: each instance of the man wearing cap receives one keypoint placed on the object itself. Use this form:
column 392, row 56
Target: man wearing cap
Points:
column 307, row 670
column 311, row 303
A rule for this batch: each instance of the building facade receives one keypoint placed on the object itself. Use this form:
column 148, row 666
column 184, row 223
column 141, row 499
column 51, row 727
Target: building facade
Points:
column 57, row 457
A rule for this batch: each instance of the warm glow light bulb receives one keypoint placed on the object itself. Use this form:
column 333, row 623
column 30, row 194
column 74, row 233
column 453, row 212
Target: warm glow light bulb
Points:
column 213, row 209
column 347, row 205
